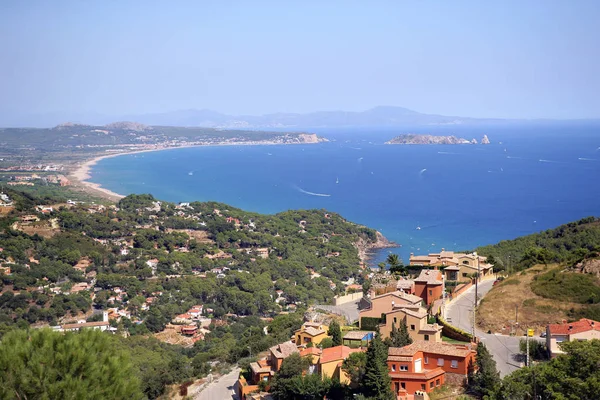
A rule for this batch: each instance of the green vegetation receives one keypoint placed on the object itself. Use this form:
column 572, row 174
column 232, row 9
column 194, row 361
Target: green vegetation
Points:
column 155, row 260
column 42, row 364
column 354, row 366
column 566, row 244
column 487, row 378
column 377, row 382
column 567, row 286
column 537, row 350
column 399, row 337
column 335, row 332
column 574, row 375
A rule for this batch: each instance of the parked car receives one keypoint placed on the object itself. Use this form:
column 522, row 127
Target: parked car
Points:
column 543, row 334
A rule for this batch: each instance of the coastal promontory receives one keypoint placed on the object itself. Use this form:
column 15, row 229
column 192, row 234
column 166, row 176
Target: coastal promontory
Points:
column 413, row 138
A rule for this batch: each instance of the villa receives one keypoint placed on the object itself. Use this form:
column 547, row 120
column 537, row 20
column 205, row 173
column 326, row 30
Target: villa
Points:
column 584, row 329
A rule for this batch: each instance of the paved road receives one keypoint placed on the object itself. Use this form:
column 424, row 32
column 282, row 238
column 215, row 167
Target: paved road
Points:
column 504, row 349
column 222, row 388
column 348, row 310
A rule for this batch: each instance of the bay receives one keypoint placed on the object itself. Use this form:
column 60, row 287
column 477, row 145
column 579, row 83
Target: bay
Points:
column 423, row 197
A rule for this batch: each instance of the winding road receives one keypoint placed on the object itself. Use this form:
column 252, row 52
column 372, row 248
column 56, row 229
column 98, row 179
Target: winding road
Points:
column 504, row 349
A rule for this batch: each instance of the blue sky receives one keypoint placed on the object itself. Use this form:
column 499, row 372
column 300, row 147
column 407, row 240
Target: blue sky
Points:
column 518, row 59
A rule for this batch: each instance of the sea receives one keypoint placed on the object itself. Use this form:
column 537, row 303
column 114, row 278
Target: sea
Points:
column 532, row 177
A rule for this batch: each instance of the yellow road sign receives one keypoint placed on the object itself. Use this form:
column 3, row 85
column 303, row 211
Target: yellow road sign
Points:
column 530, row 332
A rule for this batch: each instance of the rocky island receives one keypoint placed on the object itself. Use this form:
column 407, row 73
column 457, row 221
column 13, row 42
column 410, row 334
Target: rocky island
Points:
column 413, row 138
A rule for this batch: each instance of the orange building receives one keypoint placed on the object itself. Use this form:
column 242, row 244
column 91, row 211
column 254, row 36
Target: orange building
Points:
column 430, row 285
column 427, row 365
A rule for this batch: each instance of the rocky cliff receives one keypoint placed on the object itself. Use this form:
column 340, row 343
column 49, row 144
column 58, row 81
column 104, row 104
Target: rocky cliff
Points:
column 485, row 140
column 412, row 138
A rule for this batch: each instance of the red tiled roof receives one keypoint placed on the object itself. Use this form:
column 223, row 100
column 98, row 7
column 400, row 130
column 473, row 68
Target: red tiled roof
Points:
column 314, row 351
column 431, row 348
column 430, row 276
column 583, row 325
column 284, row 350
column 337, row 353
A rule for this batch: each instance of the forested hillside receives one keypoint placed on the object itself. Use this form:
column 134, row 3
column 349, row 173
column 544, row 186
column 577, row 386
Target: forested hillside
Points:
column 149, row 261
column 568, row 243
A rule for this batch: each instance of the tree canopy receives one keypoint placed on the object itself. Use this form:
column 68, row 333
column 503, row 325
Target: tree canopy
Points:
column 41, row 364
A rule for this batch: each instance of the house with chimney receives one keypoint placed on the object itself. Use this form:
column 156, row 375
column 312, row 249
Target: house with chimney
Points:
column 429, row 285
column 310, row 332
column 377, row 306
column 416, row 318
column 584, row 329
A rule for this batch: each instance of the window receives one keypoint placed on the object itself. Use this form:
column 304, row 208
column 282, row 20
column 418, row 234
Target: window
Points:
column 395, row 320
column 431, row 385
column 430, row 292
column 465, row 274
column 265, row 378
column 440, row 362
column 454, row 363
column 423, row 386
column 403, row 384
column 426, row 337
column 412, row 327
column 437, row 382
column 426, row 360
column 404, row 368
column 397, row 386
column 393, row 367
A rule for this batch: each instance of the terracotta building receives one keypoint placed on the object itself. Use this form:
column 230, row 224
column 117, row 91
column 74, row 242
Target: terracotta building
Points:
column 584, row 329
column 427, row 365
column 430, row 285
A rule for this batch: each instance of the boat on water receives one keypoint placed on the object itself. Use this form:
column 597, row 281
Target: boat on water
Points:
column 337, row 180
column 418, row 228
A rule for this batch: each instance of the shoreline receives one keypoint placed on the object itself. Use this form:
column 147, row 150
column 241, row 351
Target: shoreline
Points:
column 81, row 173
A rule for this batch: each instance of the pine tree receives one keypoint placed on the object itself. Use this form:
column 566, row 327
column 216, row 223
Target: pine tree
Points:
column 42, row 364
column 377, row 383
column 336, row 333
column 487, row 378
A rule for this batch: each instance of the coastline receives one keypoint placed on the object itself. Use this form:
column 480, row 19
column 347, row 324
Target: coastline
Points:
column 81, row 173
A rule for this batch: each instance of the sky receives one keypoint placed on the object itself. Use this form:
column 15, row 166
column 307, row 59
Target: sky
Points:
column 505, row 59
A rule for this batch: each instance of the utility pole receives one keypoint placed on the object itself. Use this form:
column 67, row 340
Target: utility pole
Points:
column 477, row 279
column 527, row 340
column 473, row 327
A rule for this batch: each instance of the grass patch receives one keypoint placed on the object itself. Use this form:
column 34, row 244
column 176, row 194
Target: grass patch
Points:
column 529, row 302
column 446, row 339
column 512, row 281
column 567, row 286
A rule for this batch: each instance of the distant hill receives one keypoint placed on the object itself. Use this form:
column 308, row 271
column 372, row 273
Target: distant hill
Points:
column 382, row 116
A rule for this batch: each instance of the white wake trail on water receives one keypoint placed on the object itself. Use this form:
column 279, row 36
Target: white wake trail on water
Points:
column 587, row 159
column 311, row 193
column 422, row 171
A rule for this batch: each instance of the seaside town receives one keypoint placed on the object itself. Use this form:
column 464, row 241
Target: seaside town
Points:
column 292, row 289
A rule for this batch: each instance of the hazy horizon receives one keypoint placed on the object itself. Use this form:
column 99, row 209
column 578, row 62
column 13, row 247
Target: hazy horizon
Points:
column 507, row 60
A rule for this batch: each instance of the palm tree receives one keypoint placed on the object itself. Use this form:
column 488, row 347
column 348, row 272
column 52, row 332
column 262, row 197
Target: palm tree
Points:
column 395, row 263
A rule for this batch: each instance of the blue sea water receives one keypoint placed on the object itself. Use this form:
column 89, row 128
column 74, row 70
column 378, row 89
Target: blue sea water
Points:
column 460, row 196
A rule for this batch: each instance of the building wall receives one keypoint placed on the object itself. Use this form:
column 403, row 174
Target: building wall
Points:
column 347, row 298
column 430, row 361
column 382, row 305
column 331, row 370
column 416, row 384
column 303, row 338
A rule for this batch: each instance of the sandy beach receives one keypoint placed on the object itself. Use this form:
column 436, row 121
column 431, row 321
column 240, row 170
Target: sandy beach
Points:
column 82, row 172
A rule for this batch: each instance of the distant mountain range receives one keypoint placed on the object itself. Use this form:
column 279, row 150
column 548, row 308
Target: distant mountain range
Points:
column 383, row 116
